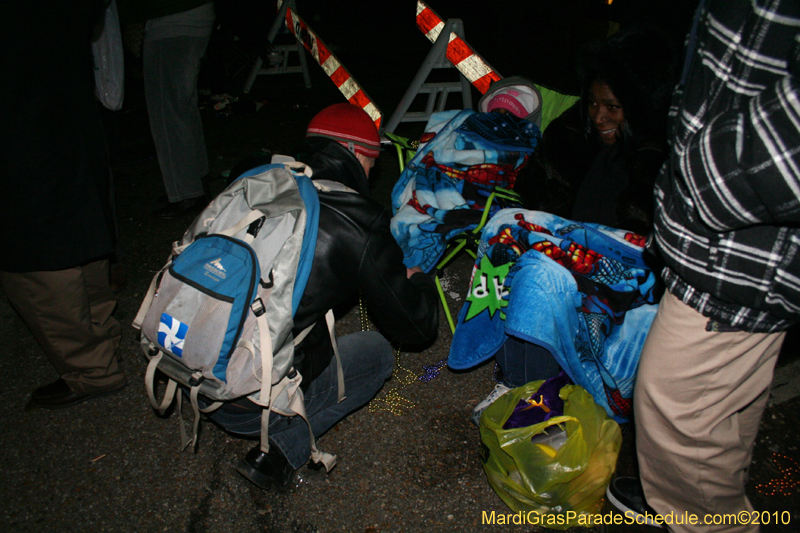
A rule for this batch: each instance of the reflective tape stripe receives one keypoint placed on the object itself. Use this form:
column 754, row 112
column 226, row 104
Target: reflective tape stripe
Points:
column 457, row 49
column 459, row 53
column 349, row 87
column 358, row 98
column 470, row 64
column 428, row 21
column 332, row 67
column 371, row 110
column 323, row 54
column 478, row 68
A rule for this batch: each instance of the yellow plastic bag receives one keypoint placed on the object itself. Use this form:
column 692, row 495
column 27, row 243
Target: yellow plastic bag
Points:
column 530, row 479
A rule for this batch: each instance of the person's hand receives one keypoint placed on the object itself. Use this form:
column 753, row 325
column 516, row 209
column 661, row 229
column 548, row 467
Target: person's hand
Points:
column 413, row 270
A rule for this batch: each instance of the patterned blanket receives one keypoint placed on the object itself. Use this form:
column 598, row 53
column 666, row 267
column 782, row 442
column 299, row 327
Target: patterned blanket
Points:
column 582, row 291
column 443, row 189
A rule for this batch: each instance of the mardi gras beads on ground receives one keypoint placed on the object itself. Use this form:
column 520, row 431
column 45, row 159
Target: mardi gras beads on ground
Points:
column 785, row 485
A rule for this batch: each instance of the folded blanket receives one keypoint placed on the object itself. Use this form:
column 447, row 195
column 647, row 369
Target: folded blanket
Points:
column 443, row 189
column 582, row 291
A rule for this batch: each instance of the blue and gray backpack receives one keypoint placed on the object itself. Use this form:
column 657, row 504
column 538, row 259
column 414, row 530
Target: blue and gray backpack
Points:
column 218, row 317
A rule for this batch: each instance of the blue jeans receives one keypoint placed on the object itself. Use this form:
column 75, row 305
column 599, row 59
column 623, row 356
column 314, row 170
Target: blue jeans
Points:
column 367, row 362
column 171, row 69
column 522, row 362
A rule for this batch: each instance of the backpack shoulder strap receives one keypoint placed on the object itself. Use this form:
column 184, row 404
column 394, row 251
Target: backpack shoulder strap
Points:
column 311, row 201
column 332, row 186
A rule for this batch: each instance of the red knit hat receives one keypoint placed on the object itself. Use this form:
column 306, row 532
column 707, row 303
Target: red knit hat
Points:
column 350, row 126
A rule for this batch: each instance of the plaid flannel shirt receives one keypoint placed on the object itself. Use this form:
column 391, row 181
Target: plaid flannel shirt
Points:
column 728, row 199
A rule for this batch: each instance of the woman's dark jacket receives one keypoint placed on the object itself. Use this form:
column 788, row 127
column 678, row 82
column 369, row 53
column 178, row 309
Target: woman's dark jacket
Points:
column 575, row 176
column 579, row 178
column 356, row 253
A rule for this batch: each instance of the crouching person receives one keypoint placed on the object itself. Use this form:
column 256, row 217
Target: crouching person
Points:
column 355, row 253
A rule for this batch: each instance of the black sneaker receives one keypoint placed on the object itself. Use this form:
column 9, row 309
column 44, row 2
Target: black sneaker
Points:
column 626, row 494
column 267, row 469
column 58, row 394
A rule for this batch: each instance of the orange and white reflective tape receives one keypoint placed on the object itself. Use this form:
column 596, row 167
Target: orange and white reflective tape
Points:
column 339, row 75
column 466, row 60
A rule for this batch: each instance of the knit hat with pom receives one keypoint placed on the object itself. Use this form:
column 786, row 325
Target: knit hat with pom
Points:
column 348, row 125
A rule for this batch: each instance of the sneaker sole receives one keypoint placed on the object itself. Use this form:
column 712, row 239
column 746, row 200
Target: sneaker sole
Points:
column 476, row 419
column 625, row 509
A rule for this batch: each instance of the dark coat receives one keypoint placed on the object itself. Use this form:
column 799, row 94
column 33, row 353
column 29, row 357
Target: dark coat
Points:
column 356, row 253
column 55, row 206
column 575, row 176
column 566, row 160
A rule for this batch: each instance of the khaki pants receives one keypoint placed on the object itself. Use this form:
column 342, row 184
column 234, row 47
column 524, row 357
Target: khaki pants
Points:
column 698, row 402
column 69, row 313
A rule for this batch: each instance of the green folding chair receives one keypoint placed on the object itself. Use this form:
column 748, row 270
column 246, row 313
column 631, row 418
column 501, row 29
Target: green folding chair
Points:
column 406, row 148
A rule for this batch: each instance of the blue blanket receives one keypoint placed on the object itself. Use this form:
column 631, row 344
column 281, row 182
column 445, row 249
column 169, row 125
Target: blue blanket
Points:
column 582, row 291
column 443, row 189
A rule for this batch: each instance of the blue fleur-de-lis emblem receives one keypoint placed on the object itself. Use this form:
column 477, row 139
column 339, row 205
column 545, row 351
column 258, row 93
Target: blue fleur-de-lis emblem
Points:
column 172, row 334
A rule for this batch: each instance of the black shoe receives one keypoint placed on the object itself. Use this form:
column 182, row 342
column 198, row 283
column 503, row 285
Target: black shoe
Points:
column 626, row 494
column 267, row 469
column 57, row 395
column 181, row 208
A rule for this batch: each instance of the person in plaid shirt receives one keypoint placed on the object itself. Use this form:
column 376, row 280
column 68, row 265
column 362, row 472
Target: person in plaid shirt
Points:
column 727, row 226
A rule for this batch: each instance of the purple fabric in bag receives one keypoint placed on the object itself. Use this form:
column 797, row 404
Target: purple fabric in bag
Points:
column 544, row 404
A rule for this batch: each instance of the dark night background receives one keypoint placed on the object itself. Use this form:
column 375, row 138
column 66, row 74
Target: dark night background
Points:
column 379, row 43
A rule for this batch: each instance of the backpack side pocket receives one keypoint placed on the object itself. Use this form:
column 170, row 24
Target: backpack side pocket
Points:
column 202, row 303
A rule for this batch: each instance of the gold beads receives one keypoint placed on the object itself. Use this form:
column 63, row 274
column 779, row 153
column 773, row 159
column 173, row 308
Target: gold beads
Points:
column 787, row 483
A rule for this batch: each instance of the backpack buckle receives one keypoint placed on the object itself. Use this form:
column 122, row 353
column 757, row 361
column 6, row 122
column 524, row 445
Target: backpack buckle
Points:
column 255, row 226
column 258, row 307
column 196, row 379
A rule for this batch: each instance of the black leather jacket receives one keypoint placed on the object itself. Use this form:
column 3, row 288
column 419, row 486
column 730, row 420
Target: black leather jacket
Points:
column 356, row 253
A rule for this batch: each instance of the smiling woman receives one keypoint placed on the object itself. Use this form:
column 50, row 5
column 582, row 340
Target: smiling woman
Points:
column 605, row 112
column 599, row 160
